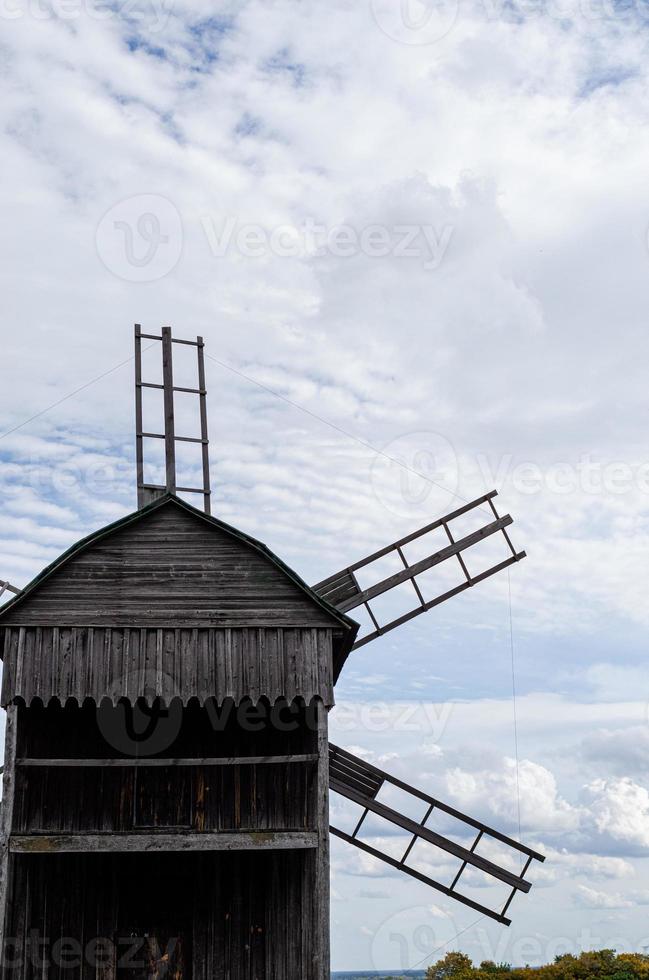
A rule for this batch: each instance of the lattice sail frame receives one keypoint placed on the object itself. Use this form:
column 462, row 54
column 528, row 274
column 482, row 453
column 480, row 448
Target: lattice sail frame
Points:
column 146, row 492
column 343, row 591
column 360, row 782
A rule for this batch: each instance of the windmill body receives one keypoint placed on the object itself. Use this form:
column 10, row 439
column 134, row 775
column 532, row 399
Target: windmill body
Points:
column 167, row 684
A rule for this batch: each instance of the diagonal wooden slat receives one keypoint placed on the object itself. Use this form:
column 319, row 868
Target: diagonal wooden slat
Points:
column 7, row 590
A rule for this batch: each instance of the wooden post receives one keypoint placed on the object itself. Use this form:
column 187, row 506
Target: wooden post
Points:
column 204, row 436
column 6, row 821
column 321, row 884
column 139, row 442
column 170, row 433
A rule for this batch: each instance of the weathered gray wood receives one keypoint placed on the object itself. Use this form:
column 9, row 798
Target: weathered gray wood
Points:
column 244, row 914
column 321, row 924
column 443, row 597
column 170, row 567
column 6, row 817
column 85, row 662
column 424, row 564
column 8, row 587
column 204, row 436
column 170, row 431
column 444, row 843
column 245, row 760
column 142, row 497
column 118, row 843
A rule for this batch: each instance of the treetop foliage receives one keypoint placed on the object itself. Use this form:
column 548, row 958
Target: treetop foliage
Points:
column 603, row 964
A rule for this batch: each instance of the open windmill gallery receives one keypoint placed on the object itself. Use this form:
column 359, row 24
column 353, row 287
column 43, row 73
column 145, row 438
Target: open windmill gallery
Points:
column 167, row 685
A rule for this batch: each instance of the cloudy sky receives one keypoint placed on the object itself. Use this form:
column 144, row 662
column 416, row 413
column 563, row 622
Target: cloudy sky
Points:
column 414, row 237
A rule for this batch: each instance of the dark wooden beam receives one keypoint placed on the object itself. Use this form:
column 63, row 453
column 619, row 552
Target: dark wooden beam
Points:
column 163, row 842
column 438, row 600
column 204, row 435
column 6, row 815
column 250, row 760
column 168, row 382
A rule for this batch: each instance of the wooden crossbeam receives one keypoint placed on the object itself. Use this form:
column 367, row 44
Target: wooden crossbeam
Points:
column 161, row 842
column 360, row 782
column 344, row 591
column 139, row 763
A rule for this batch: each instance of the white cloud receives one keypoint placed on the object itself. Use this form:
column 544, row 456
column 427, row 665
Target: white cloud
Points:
column 589, row 898
column 562, row 863
column 620, row 809
column 542, row 807
column 523, row 347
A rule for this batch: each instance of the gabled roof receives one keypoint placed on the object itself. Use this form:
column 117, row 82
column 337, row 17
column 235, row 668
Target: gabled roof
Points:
column 336, row 618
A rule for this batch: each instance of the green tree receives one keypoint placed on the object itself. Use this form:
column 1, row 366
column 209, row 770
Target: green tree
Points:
column 454, row 966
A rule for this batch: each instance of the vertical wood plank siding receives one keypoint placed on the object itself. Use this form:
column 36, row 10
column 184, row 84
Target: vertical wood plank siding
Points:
column 103, row 662
column 239, row 916
column 213, row 799
column 169, row 604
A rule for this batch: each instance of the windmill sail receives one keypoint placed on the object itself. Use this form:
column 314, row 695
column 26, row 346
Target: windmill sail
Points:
column 361, row 783
column 7, row 591
column 345, row 593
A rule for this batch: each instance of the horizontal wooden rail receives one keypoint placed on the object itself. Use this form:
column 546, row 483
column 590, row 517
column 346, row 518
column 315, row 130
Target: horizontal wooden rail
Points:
column 158, row 486
column 174, row 340
column 272, row 840
column 139, row 763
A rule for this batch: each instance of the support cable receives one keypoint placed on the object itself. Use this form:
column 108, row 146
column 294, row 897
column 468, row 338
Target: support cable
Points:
column 513, row 663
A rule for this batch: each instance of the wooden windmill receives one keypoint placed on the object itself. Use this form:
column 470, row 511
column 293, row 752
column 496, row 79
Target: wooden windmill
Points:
column 167, row 683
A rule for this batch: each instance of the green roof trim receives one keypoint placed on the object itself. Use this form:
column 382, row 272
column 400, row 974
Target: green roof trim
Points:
column 171, row 499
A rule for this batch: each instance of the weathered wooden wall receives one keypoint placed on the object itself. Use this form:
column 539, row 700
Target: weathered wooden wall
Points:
column 241, row 916
column 85, row 662
column 171, row 568
column 204, row 798
column 169, row 606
